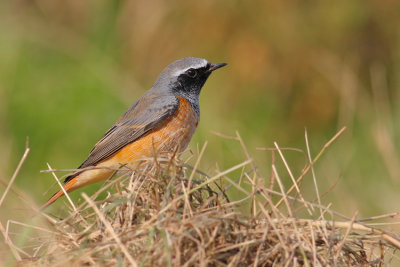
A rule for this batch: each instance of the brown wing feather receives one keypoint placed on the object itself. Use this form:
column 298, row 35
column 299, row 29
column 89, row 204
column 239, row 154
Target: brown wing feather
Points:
column 148, row 112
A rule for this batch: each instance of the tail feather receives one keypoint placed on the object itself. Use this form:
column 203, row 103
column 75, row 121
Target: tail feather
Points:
column 67, row 187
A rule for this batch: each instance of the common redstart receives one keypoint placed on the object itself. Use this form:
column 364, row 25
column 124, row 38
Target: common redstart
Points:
column 162, row 120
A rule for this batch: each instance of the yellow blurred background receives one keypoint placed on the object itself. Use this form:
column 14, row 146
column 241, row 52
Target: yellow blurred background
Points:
column 69, row 69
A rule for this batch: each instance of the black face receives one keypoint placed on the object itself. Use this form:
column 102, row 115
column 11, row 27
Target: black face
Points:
column 189, row 82
column 192, row 80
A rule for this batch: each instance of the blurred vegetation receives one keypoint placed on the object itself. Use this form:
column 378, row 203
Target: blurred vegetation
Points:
column 68, row 69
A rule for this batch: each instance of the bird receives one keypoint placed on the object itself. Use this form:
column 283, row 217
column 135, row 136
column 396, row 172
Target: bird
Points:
column 163, row 119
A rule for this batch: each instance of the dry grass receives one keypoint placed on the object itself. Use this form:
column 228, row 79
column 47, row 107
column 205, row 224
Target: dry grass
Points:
column 168, row 214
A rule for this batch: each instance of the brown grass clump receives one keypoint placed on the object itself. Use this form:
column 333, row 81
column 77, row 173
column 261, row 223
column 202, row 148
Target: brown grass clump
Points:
column 167, row 214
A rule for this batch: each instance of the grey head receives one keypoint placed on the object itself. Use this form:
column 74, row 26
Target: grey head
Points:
column 185, row 78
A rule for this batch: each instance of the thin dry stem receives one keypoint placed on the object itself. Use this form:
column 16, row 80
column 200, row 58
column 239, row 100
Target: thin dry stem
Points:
column 21, row 162
column 312, row 170
column 62, row 188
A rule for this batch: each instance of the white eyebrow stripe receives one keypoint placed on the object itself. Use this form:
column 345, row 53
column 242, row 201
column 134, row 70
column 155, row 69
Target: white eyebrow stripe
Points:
column 197, row 66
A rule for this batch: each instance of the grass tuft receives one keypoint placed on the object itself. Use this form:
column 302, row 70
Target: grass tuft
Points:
column 166, row 213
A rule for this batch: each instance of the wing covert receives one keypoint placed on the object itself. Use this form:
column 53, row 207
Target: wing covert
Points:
column 148, row 112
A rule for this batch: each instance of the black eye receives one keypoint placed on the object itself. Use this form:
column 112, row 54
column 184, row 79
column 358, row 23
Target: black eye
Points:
column 191, row 73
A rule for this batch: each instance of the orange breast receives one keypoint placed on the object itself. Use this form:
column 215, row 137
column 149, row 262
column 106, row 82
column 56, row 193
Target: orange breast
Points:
column 176, row 131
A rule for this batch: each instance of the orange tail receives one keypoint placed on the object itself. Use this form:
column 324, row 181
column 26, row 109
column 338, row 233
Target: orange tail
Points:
column 68, row 186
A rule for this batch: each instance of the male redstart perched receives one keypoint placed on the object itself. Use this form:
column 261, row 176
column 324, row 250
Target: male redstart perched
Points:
column 162, row 120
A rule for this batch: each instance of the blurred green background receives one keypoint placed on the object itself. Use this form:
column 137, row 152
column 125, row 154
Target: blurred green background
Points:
column 69, row 69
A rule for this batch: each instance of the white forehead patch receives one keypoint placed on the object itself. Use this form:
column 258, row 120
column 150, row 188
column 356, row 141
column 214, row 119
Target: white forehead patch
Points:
column 197, row 65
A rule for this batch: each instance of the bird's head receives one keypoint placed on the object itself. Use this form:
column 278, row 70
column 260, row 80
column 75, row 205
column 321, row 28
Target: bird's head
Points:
column 185, row 77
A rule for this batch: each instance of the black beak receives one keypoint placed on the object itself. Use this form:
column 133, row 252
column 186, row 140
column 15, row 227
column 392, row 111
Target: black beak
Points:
column 216, row 66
